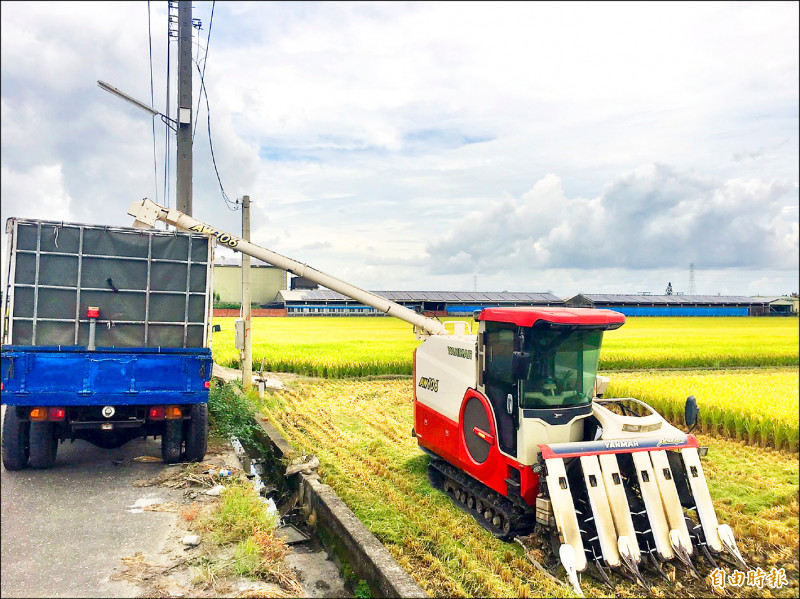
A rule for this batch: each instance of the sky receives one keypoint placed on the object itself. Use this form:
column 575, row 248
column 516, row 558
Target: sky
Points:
column 566, row 147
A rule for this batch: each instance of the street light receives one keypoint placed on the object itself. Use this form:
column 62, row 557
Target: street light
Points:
column 120, row 94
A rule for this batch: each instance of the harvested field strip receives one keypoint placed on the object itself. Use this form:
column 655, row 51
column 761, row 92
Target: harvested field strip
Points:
column 361, row 433
column 759, row 406
column 385, row 483
column 340, row 347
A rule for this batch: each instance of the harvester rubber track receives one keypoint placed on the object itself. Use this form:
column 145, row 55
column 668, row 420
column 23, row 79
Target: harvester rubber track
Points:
column 469, row 495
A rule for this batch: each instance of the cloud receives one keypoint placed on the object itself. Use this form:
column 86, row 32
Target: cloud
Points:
column 379, row 128
column 42, row 188
column 652, row 217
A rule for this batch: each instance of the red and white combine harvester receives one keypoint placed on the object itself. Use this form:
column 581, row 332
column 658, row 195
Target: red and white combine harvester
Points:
column 521, row 438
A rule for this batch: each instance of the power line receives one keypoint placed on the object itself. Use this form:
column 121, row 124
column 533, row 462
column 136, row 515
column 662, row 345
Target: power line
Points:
column 205, row 61
column 230, row 204
column 171, row 18
column 152, row 100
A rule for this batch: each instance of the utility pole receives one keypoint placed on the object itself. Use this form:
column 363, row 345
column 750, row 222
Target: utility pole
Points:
column 184, row 134
column 247, row 352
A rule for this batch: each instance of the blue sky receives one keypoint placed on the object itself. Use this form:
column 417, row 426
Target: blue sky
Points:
column 570, row 147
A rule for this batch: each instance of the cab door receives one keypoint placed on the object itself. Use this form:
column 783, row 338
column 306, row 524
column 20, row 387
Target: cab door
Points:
column 500, row 340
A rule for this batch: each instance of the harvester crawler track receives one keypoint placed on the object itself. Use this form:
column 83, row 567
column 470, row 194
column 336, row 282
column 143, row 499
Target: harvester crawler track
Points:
column 497, row 514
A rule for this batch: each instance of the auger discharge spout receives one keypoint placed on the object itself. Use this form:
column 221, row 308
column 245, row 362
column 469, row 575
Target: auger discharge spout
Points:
column 147, row 212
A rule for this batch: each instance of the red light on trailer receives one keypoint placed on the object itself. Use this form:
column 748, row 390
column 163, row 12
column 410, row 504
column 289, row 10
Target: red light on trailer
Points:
column 57, row 414
column 93, row 312
column 158, row 413
column 39, row 414
column 207, row 384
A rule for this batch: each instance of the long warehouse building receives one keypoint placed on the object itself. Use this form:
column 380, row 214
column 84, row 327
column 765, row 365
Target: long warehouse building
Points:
column 684, row 305
column 324, row 302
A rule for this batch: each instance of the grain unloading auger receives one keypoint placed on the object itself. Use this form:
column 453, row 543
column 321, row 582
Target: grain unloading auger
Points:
column 521, row 438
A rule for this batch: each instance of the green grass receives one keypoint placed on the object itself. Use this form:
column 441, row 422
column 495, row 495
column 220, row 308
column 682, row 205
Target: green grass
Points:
column 231, row 414
column 240, row 514
column 337, row 347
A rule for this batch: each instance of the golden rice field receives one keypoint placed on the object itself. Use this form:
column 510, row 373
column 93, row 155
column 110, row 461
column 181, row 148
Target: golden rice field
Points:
column 358, row 346
column 360, row 430
column 758, row 405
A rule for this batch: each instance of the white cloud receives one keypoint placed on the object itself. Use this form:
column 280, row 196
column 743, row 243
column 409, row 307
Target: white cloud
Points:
column 652, row 217
column 41, row 189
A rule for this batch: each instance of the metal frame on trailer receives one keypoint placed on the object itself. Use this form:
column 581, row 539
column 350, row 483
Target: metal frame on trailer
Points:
column 14, row 251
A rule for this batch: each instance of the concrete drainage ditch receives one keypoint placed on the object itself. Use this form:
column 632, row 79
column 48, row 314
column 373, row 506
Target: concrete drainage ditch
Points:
column 309, row 508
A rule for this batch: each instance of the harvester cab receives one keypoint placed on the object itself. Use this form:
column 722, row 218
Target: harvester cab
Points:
column 538, row 370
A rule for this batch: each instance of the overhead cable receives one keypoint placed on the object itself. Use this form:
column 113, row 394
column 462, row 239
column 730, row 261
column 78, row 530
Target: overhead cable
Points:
column 152, row 100
column 232, row 205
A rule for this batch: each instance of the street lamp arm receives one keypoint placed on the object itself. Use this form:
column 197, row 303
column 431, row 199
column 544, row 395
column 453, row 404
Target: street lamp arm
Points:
column 120, row 94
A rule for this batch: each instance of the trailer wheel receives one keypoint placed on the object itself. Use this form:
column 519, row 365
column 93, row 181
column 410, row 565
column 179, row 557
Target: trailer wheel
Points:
column 16, row 440
column 171, row 441
column 44, row 445
column 197, row 433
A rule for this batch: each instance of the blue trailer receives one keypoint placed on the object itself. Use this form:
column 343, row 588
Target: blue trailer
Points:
column 105, row 338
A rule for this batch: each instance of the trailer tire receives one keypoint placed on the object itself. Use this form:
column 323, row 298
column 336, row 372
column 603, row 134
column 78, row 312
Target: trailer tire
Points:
column 171, row 441
column 44, row 445
column 16, row 440
column 197, row 433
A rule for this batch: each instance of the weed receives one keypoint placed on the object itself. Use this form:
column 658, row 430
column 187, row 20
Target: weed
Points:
column 363, row 591
column 239, row 514
column 231, row 413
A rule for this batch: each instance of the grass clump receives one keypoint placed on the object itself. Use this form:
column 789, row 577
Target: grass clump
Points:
column 239, row 515
column 241, row 524
column 231, row 413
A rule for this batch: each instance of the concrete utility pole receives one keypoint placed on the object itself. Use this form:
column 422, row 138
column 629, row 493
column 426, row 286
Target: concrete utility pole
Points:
column 184, row 134
column 247, row 352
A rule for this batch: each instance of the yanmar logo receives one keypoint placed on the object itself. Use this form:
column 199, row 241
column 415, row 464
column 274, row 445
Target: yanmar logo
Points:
column 428, row 383
column 225, row 238
column 459, row 352
column 621, row 444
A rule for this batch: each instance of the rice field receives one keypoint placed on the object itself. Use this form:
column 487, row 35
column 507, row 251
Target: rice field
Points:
column 374, row 465
column 359, row 346
column 743, row 371
column 759, row 406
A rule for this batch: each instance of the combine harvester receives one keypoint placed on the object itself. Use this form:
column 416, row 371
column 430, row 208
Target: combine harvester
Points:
column 521, row 438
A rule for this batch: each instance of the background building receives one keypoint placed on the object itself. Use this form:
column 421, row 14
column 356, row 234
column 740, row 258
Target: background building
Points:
column 324, row 302
column 265, row 283
column 683, row 305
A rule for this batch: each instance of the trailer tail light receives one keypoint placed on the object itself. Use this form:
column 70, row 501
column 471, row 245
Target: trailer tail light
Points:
column 174, row 412
column 158, row 413
column 93, row 312
column 39, row 414
column 207, row 384
column 56, row 414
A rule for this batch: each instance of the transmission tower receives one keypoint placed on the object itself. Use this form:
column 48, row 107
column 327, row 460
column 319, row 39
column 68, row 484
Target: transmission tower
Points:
column 692, row 290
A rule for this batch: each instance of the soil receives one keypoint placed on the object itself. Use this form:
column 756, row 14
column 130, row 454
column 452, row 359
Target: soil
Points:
column 174, row 571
